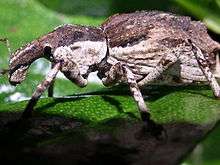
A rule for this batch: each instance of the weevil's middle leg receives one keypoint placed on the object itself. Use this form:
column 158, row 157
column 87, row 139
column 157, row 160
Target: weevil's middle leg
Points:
column 117, row 73
column 145, row 115
column 203, row 64
column 40, row 89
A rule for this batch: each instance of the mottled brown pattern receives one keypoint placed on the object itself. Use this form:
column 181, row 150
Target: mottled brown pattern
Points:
column 122, row 29
column 171, row 42
column 68, row 34
column 24, row 56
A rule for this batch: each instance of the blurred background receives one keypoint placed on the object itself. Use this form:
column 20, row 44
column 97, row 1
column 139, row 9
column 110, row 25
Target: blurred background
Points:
column 21, row 21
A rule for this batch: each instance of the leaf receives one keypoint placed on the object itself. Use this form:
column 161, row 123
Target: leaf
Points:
column 186, row 105
column 108, row 121
column 204, row 11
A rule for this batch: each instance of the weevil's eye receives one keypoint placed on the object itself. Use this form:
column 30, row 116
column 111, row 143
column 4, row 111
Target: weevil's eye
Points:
column 47, row 50
column 48, row 53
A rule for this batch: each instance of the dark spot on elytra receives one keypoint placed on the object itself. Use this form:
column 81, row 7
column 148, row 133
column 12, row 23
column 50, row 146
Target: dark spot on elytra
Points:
column 131, row 41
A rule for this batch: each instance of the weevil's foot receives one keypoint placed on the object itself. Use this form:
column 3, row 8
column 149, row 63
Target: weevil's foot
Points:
column 151, row 127
column 26, row 114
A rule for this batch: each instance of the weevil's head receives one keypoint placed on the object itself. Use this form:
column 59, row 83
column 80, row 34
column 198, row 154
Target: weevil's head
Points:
column 21, row 59
column 75, row 46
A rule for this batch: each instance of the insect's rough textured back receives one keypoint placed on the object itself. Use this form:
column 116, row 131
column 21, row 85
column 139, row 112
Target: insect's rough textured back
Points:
column 127, row 29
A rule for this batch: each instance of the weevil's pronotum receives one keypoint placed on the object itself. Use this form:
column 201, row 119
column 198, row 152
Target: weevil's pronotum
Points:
column 138, row 48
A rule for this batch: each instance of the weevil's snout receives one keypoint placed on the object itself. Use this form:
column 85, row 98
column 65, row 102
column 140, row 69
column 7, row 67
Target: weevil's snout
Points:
column 22, row 59
column 18, row 75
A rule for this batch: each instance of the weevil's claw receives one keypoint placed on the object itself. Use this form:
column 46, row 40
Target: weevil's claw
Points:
column 151, row 127
column 26, row 114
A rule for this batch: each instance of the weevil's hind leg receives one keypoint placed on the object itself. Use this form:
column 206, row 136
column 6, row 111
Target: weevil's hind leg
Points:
column 163, row 65
column 203, row 64
column 120, row 72
column 151, row 126
column 40, row 89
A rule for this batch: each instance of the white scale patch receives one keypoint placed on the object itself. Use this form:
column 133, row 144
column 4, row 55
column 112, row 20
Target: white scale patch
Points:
column 142, row 46
column 83, row 53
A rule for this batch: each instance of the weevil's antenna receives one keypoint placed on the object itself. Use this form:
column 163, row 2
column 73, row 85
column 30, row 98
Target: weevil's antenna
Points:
column 3, row 71
column 7, row 43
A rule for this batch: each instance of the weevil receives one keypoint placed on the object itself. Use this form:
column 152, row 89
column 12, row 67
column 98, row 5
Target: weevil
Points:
column 138, row 48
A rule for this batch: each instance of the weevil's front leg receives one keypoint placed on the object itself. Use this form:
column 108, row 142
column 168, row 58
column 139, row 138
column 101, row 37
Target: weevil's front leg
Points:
column 40, row 89
column 203, row 64
column 163, row 65
column 51, row 87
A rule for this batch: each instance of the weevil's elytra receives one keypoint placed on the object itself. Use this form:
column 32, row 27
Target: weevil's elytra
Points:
column 138, row 48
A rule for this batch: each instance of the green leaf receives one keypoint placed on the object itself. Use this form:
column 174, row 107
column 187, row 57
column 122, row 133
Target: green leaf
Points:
column 207, row 11
column 186, row 105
